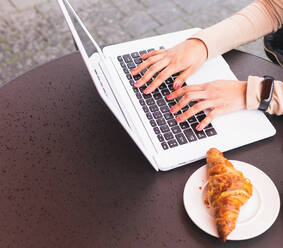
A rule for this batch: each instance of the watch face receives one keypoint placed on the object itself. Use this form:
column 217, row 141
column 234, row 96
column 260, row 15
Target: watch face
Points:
column 266, row 87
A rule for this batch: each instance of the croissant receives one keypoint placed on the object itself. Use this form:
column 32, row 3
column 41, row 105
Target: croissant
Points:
column 227, row 191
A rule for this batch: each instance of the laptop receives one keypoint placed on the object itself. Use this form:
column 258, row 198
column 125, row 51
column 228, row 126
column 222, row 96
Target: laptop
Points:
column 146, row 118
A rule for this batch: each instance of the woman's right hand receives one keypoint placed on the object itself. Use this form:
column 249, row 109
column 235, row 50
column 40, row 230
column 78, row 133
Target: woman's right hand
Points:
column 186, row 57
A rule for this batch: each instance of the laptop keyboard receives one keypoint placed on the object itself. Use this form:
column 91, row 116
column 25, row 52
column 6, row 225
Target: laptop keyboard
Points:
column 157, row 108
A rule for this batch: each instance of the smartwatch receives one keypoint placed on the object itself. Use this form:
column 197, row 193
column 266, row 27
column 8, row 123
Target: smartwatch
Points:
column 266, row 92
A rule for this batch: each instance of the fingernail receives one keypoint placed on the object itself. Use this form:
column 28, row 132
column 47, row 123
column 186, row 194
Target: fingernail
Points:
column 178, row 118
column 168, row 97
column 199, row 127
column 137, row 83
column 146, row 91
column 176, row 86
column 172, row 110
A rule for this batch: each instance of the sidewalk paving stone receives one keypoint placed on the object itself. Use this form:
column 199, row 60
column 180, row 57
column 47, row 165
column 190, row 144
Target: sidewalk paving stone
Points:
column 34, row 31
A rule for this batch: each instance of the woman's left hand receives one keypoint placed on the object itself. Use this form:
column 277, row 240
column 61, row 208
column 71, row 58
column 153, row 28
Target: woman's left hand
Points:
column 219, row 97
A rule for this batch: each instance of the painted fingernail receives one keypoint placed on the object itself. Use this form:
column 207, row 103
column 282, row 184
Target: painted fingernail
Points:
column 176, row 86
column 168, row 97
column 199, row 127
column 178, row 118
column 172, row 110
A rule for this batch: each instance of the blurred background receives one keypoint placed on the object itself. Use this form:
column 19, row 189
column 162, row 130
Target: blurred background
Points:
column 33, row 32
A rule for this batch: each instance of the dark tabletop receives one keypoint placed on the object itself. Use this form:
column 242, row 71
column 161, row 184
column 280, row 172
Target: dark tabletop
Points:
column 70, row 176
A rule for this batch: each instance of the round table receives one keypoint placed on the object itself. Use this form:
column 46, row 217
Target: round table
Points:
column 70, row 176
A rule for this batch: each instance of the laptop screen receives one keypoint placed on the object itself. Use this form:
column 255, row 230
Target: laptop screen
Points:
column 84, row 37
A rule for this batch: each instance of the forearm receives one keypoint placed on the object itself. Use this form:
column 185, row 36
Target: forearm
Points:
column 254, row 91
column 254, row 21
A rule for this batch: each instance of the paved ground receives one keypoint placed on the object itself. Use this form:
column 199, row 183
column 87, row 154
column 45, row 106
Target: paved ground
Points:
column 33, row 31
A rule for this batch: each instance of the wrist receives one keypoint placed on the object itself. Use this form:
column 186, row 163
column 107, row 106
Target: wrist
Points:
column 201, row 47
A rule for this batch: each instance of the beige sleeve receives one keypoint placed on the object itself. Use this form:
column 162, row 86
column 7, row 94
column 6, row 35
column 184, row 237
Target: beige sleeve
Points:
column 254, row 92
column 256, row 20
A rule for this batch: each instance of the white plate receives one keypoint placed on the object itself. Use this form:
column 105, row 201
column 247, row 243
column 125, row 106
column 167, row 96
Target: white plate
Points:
column 255, row 217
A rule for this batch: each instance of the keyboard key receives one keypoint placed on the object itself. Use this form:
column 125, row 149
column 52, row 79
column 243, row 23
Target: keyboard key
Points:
column 210, row 132
column 172, row 123
column 176, row 129
column 169, row 81
column 135, row 89
column 143, row 52
column 161, row 47
column 171, row 104
column 123, row 65
column 200, row 134
column 176, row 74
column 181, row 139
column 138, row 95
column 131, row 81
column 162, row 86
column 184, row 125
column 164, row 129
column 164, row 145
column 135, row 55
column 168, row 136
column 165, row 92
column 208, row 126
column 200, row 117
column 200, row 113
column 192, row 119
column 168, row 116
column 157, row 114
column 137, row 77
column 172, row 143
column 157, row 96
column 138, row 61
column 145, row 109
column 120, row 58
column 127, row 58
column 149, row 116
column 150, row 102
column 160, row 137
column 131, row 65
column 150, row 50
column 129, row 76
column 156, row 130
column 192, row 103
column 143, row 72
column 153, row 123
column 161, row 121
column 142, row 102
column 171, row 87
column 190, row 135
column 185, row 108
column 148, row 96
column 164, row 109
column 153, row 108
column 160, row 102
column 126, row 71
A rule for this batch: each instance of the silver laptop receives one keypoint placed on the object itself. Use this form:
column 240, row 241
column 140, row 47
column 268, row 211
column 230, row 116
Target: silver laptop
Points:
column 146, row 118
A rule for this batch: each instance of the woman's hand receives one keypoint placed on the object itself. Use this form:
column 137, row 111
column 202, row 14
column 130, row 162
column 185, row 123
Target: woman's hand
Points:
column 220, row 97
column 187, row 57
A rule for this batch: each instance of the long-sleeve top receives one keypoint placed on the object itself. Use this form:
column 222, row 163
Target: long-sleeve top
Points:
column 259, row 18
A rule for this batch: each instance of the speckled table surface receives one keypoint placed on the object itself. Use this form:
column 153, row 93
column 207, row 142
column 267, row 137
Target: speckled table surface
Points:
column 71, row 177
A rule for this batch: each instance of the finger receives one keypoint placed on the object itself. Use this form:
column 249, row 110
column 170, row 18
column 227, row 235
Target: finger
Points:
column 189, row 97
column 162, row 76
column 179, row 81
column 151, row 72
column 146, row 64
column 184, row 90
column 208, row 119
column 200, row 106
column 153, row 53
